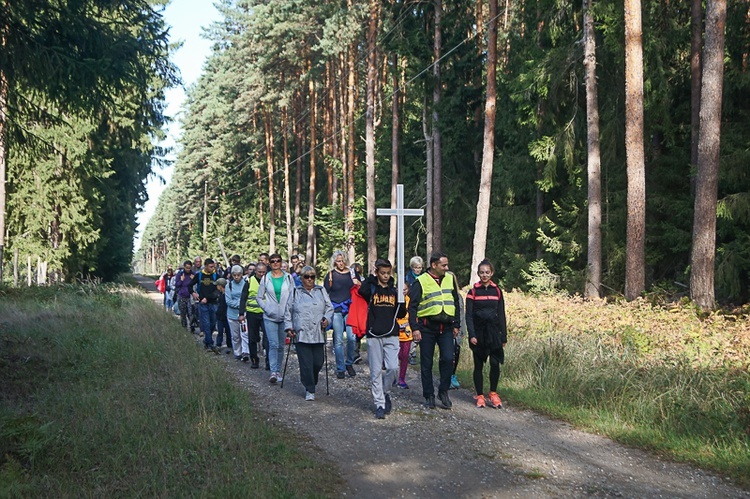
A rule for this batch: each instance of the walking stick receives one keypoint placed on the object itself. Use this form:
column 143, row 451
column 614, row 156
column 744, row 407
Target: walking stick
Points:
column 286, row 363
column 325, row 355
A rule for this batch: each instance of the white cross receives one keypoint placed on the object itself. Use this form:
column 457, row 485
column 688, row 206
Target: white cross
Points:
column 400, row 212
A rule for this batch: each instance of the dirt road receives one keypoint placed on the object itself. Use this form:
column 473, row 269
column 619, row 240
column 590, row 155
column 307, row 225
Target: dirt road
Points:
column 464, row 452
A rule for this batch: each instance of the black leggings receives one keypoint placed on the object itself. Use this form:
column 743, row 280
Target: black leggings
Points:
column 480, row 357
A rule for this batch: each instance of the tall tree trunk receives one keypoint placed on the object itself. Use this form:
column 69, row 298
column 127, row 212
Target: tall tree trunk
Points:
column 430, row 175
column 350, row 156
column 372, row 68
column 594, row 263
column 437, row 138
column 267, row 125
column 394, row 156
column 310, row 250
column 287, row 182
column 297, row 130
column 696, row 44
column 707, row 181
column 635, row 254
column 3, row 155
column 488, row 151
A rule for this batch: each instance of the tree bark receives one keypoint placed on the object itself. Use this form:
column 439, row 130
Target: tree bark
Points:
column 3, row 156
column 310, row 249
column 707, row 181
column 437, row 138
column 394, row 156
column 287, row 182
column 696, row 44
column 267, row 125
column 635, row 260
column 350, row 156
column 594, row 261
column 297, row 131
column 488, row 150
column 372, row 75
column 429, row 175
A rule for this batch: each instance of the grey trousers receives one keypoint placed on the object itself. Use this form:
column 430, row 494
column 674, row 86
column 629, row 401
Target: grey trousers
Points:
column 382, row 351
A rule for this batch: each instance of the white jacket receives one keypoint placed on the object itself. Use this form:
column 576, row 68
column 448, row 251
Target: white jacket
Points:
column 273, row 309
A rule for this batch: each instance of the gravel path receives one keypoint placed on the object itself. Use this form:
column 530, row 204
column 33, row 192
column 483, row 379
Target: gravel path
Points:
column 463, row 452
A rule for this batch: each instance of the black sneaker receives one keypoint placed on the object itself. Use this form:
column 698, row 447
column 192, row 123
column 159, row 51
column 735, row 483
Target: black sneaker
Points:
column 229, row 350
column 380, row 413
column 350, row 371
column 388, row 404
column 430, row 402
column 340, row 374
column 357, row 359
column 443, row 396
column 255, row 364
column 245, row 358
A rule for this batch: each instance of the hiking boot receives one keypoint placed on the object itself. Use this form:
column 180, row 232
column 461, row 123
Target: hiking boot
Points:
column 340, row 374
column 443, row 396
column 273, row 379
column 350, row 371
column 403, row 385
column 430, row 402
column 495, row 400
column 309, row 396
column 379, row 413
column 388, row 404
column 455, row 385
column 480, row 401
column 255, row 364
column 245, row 358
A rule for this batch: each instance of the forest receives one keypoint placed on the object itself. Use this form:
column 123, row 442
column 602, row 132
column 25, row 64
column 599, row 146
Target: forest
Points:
column 81, row 113
column 595, row 147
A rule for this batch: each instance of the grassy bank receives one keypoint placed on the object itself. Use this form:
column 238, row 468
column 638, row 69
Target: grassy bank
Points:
column 104, row 395
column 653, row 377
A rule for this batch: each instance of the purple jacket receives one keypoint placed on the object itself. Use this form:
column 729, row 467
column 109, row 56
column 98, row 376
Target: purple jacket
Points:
column 182, row 286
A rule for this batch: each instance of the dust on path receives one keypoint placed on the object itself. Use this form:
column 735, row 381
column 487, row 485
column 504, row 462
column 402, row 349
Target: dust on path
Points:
column 463, row 452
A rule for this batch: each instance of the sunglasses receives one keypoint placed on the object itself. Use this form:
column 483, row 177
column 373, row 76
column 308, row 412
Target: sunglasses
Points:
column 275, row 260
column 308, row 277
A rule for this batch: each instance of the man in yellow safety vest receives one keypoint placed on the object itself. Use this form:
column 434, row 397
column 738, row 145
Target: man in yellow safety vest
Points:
column 434, row 319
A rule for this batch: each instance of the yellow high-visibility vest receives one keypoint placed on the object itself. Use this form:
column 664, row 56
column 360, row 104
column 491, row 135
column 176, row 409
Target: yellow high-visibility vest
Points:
column 252, row 292
column 436, row 299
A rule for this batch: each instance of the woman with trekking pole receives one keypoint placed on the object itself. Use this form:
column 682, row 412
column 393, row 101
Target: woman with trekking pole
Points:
column 306, row 320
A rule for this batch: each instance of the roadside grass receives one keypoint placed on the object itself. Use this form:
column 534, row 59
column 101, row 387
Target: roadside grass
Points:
column 662, row 379
column 104, row 395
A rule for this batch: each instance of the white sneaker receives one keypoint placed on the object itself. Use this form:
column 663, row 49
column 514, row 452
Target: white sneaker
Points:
column 309, row 396
column 279, row 378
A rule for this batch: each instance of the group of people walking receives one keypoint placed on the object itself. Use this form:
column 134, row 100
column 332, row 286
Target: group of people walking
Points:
column 277, row 302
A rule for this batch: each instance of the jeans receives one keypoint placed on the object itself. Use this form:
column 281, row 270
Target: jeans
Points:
column 276, row 337
column 222, row 327
column 444, row 341
column 207, row 312
column 168, row 302
column 339, row 326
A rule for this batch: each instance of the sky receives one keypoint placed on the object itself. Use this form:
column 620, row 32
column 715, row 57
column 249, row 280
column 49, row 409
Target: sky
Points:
column 186, row 19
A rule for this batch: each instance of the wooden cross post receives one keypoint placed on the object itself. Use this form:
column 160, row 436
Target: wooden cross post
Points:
column 400, row 212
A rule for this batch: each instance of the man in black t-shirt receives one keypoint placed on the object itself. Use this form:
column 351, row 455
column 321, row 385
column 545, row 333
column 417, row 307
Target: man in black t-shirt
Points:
column 382, row 333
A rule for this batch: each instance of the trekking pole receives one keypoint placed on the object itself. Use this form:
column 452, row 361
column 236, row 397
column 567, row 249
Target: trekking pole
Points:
column 286, row 363
column 325, row 355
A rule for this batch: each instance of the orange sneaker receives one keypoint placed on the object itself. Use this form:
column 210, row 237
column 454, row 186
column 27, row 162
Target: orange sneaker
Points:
column 480, row 401
column 495, row 400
